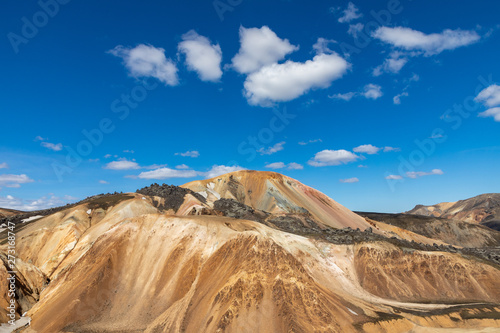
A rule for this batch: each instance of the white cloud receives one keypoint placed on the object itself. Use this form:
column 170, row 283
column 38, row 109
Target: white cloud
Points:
column 154, row 166
column 276, row 165
column 493, row 112
column 393, row 64
column 218, row 170
column 393, row 177
column 367, row 149
column 39, row 138
column 429, row 44
column 346, row 97
column 108, row 156
column 122, row 164
column 287, row 81
column 350, row 13
column 52, row 146
column 38, row 204
column 164, row 173
column 193, row 153
column 182, row 167
column 416, row 174
column 103, row 182
column 147, row 61
column 258, row 48
column 321, row 45
column 202, row 57
column 355, row 29
column 295, row 166
column 397, row 99
column 372, row 91
column 273, row 149
column 126, row 151
column 4, row 165
column 349, row 180
column 332, row 157
column 362, row 166
column 303, row 143
column 489, row 96
column 389, row 149
column 14, row 181
column 281, row 165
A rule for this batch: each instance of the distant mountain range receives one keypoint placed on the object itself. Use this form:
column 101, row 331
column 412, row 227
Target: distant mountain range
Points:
column 483, row 209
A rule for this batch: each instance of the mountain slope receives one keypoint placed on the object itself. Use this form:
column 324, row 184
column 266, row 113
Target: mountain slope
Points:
column 167, row 259
column 483, row 209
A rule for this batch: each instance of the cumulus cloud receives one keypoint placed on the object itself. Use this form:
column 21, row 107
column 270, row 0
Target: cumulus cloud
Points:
column 218, row 170
column 430, row 44
column 193, row 153
column 126, row 151
column 273, row 149
column 260, row 47
column 103, row 182
column 368, row 149
column 393, row 64
column 416, row 174
column 183, row 171
column 489, row 96
column 276, row 165
column 202, row 57
column 350, row 13
column 371, row 149
column 349, row 180
column 122, row 164
column 287, row 81
column 332, row 157
column 39, row 138
column 493, row 112
column 372, row 91
column 52, row 146
column 14, row 181
column 4, row 165
column 147, row 61
column 164, row 173
column 281, row 165
column 30, row 205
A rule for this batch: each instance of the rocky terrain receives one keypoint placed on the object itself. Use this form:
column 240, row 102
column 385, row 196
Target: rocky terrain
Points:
column 249, row 252
column 483, row 209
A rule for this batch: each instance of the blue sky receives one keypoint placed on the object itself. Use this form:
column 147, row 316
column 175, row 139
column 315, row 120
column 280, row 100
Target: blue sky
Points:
column 379, row 104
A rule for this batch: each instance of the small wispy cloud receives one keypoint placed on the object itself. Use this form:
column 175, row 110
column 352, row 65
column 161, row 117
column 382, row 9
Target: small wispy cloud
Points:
column 349, row 180
column 303, row 143
column 52, row 146
column 273, row 149
column 350, row 13
column 193, row 153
